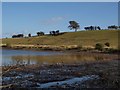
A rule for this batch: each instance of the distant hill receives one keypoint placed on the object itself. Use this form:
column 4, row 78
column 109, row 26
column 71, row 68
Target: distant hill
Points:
column 82, row 38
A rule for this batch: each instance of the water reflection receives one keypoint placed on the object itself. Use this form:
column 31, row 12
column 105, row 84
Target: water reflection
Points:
column 53, row 59
column 10, row 57
column 22, row 60
column 22, row 57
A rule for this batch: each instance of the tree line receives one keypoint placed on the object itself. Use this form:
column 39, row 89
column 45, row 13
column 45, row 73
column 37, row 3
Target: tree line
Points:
column 52, row 33
column 92, row 28
column 73, row 25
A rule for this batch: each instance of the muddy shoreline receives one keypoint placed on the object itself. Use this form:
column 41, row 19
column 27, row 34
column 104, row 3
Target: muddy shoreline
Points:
column 36, row 76
column 98, row 73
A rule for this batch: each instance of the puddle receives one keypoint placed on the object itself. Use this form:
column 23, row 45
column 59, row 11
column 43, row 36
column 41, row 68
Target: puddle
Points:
column 69, row 81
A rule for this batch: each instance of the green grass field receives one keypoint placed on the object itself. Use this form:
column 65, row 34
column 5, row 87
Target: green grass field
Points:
column 82, row 38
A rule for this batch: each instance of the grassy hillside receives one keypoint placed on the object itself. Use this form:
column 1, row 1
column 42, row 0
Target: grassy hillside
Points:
column 82, row 38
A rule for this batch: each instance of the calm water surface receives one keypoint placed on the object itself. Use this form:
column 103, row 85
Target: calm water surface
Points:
column 11, row 57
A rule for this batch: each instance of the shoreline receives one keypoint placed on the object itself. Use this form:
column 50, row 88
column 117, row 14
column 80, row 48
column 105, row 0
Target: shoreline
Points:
column 37, row 76
column 75, row 50
column 54, row 75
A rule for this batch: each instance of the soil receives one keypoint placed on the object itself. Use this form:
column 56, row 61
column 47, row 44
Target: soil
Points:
column 32, row 76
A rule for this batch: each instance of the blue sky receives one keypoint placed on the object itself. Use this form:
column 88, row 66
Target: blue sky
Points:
column 31, row 17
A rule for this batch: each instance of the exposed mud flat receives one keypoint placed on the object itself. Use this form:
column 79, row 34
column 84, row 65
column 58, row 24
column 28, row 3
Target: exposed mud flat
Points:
column 99, row 74
column 69, row 81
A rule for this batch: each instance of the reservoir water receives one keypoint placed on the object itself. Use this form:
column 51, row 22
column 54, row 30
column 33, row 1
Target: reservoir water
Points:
column 12, row 57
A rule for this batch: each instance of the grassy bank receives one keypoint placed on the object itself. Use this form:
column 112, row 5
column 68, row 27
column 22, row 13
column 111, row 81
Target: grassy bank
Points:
column 105, row 66
column 85, row 39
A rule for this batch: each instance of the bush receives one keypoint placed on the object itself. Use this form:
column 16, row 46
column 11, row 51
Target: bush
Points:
column 79, row 47
column 112, row 50
column 99, row 46
column 8, row 45
column 107, row 44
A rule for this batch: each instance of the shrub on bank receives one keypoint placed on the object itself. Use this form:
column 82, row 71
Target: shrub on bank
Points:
column 112, row 50
column 8, row 45
column 99, row 46
column 79, row 47
column 107, row 44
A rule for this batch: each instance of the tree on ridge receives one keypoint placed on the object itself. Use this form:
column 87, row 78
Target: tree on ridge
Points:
column 73, row 25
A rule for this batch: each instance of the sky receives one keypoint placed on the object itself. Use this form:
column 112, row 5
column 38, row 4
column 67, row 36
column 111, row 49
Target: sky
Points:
column 60, row 0
column 0, row 21
column 32, row 17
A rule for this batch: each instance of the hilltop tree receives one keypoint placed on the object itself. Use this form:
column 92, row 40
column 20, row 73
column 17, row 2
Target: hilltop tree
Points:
column 118, row 27
column 73, row 25
column 98, row 28
column 113, row 27
column 40, row 33
column 18, row 36
column 54, row 32
column 29, row 35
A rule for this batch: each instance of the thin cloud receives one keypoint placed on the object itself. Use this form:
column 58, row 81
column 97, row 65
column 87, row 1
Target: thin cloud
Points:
column 53, row 20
